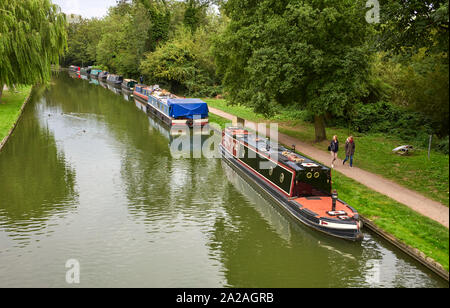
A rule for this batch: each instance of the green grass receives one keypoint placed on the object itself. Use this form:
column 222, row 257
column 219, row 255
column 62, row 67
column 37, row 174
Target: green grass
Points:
column 373, row 152
column 10, row 105
column 406, row 225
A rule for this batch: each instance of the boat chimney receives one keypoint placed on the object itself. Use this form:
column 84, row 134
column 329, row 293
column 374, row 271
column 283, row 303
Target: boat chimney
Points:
column 334, row 197
column 293, row 148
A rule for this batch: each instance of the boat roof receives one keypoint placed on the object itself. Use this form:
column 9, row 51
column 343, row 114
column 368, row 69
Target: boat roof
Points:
column 129, row 80
column 274, row 150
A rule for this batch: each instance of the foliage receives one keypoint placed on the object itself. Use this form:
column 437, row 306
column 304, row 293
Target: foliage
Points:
column 421, row 86
column 409, row 25
column 32, row 37
column 160, row 15
column 84, row 35
column 123, row 43
column 183, row 63
column 10, row 109
column 311, row 53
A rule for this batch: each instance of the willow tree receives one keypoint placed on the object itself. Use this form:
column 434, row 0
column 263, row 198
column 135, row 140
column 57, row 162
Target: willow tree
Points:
column 313, row 54
column 32, row 37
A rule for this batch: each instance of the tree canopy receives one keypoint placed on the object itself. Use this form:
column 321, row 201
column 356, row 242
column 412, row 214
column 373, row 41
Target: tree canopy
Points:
column 32, row 37
column 312, row 53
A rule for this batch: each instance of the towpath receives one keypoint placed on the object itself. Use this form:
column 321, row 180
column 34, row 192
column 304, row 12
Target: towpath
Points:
column 410, row 198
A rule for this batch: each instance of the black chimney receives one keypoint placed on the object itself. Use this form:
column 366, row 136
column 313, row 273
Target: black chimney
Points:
column 334, row 197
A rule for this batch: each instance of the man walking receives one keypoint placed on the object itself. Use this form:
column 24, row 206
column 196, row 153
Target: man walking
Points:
column 349, row 150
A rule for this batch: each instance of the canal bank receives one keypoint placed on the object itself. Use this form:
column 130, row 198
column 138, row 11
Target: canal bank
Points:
column 11, row 109
column 412, row 243
column 88, row 176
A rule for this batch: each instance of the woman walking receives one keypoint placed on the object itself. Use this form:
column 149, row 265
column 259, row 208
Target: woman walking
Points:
column 334, row 148
column 349, row 150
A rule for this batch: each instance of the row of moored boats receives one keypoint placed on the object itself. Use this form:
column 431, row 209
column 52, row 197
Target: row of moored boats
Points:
column 171, row 109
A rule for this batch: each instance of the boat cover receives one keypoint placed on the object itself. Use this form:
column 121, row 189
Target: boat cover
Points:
column 187, row 108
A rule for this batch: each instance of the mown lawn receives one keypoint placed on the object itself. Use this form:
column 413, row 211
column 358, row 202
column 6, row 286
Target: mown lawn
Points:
column 373, row 152
column 10, row 108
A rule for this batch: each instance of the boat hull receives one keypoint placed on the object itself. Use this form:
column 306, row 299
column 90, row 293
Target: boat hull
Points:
column 344, row 230
column 175, row 122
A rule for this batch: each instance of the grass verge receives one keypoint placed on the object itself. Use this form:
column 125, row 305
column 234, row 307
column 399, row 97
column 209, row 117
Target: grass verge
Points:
column 406, row 225
column 10, row 106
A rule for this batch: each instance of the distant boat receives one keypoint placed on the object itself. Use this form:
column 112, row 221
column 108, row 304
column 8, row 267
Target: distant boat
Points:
column 114, row 79
column 85, row 71
column 75, row 69
column 129, row 84
column 103, row 75
column 95, row 73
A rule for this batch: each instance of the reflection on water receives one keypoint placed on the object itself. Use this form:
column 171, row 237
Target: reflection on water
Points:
column 87, row 176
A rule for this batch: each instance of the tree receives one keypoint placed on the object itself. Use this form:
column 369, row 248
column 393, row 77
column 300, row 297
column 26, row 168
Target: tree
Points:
column 32, row 37
column 159, row 13
column 123, row 42
column 184, row 63
column 409, row 25
column 309, row 53
column 195, row 10
column 83, row 38
column 417, row 33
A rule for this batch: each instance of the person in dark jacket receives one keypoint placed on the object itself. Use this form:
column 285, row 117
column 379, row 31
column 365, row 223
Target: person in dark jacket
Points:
column 349, row 150
column 334, row 148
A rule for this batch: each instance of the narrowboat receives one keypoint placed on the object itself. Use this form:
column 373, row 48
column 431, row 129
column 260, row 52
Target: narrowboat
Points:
column 175, row 111
column 300, row 186
column 85, row 71
column 129, row 84
column 75, row 69
column 142, row 92
column 114, row 79
column 95, row 73
column 103, row 75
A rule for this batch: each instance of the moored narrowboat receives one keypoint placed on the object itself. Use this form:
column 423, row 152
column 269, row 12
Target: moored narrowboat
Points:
column 95, row 73
column 300, row 186
column 142, row 92
column 178, row 111
column 129, row 84
column 103, row 75
column 75, row 69
column 114, row 79
column 85, row 71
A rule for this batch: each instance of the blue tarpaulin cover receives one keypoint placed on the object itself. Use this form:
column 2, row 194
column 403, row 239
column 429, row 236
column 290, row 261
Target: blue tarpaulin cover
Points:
column 187, row 108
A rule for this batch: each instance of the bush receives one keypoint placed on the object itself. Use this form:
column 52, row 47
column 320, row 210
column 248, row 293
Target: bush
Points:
column 443, row 146
column 184, row 64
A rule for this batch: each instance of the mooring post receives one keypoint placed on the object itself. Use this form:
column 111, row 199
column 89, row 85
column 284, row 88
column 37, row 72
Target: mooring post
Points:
column 429, row 146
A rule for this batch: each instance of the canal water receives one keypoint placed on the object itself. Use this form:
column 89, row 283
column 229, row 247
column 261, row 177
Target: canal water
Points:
column 88, row 177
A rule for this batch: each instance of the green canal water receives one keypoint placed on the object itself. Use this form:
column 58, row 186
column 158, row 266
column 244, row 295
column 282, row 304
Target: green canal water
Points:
column 88, row 176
